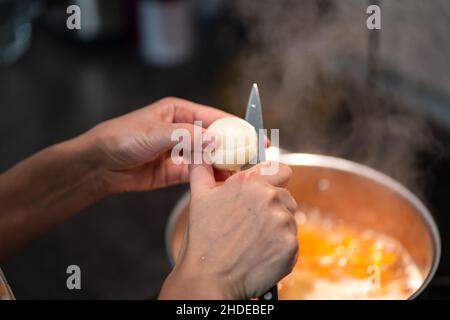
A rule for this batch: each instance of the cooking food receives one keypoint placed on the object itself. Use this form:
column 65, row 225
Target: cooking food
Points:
column 237, row 143
column 339, row 260
column 362, row 235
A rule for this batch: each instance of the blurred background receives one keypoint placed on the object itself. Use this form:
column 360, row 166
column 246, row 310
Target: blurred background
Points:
column 379, row 97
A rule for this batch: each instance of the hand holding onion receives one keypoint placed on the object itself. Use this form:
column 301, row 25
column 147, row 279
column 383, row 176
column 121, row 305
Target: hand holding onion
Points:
column 241, row 237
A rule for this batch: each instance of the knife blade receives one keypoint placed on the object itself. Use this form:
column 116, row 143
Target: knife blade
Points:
column 253, row 115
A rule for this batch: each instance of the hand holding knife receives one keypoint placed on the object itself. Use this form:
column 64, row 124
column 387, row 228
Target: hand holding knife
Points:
column 253, row 116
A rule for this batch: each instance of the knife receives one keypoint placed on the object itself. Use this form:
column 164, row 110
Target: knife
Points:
column 253, row 115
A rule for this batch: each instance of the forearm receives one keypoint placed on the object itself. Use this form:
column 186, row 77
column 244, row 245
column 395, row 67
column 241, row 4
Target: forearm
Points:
column 46, row 189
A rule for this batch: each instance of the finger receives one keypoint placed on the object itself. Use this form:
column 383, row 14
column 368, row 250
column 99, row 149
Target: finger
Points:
column 267, row 142
column 176, row 173
column 200, row 175
column 189, row 112
column 287, row 199
column 201, row 178
column 278, row 178
column 167, row 135
column 185, row 111
column 289, row 221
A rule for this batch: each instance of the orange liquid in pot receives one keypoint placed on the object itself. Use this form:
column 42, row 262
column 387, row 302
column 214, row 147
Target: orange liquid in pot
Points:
column 338, row 260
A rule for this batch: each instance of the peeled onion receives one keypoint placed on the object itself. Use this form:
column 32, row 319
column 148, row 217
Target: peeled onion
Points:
column 237, row 145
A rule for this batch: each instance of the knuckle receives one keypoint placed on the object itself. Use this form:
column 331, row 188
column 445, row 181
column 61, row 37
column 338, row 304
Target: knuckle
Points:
column 291, row 243
column 270, row 193
column 292, row 203
column 169, row 100
column 244, row 180
column 249, row 176
column 283, row 194
column 286, row 170
column 294, row 225
column 287, row 199
column 241, row 177
column 281, row 218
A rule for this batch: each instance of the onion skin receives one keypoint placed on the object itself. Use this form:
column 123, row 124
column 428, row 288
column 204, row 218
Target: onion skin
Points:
column 237, row 146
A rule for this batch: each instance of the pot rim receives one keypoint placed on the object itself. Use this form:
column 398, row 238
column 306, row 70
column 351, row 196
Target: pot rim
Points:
column 317, row 160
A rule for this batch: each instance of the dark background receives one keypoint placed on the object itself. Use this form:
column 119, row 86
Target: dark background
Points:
column 63, row 85
column 57, row 91
column 60, row 88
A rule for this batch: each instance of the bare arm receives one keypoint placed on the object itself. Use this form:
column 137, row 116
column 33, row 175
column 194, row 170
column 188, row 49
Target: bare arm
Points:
column 128, row 153
column 46, row 189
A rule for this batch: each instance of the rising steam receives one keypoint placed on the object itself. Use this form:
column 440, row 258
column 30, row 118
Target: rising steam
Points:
column 310, row 59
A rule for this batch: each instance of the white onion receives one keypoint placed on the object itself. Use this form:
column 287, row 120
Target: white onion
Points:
column 238, row 143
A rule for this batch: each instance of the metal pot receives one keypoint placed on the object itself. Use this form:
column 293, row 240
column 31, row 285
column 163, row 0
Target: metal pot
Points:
column 354, row 193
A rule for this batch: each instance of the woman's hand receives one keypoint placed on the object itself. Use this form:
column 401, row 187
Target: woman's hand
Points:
column 133, row 151
column 241, row 237
column 129, row 153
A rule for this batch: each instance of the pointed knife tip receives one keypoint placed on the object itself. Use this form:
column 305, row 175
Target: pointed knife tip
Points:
column 255, row 89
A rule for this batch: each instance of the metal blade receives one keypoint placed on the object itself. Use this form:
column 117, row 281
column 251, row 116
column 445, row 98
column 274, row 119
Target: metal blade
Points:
column 253, row 115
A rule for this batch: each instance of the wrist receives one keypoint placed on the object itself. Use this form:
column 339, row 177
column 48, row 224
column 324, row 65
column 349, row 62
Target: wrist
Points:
column 111, row 178
column 193, row 284
column 88, row 162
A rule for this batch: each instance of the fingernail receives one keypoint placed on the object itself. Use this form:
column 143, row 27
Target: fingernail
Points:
column 266, row 141
column 210, row 140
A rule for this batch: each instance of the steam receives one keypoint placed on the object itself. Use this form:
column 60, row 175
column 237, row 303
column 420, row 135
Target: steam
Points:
column 310, row 60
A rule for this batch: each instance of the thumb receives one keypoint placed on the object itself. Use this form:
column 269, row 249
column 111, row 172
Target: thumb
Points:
column 201, row 177
column 201, row 174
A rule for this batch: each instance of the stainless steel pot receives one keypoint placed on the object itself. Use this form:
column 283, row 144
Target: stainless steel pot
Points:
column 354, row 193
